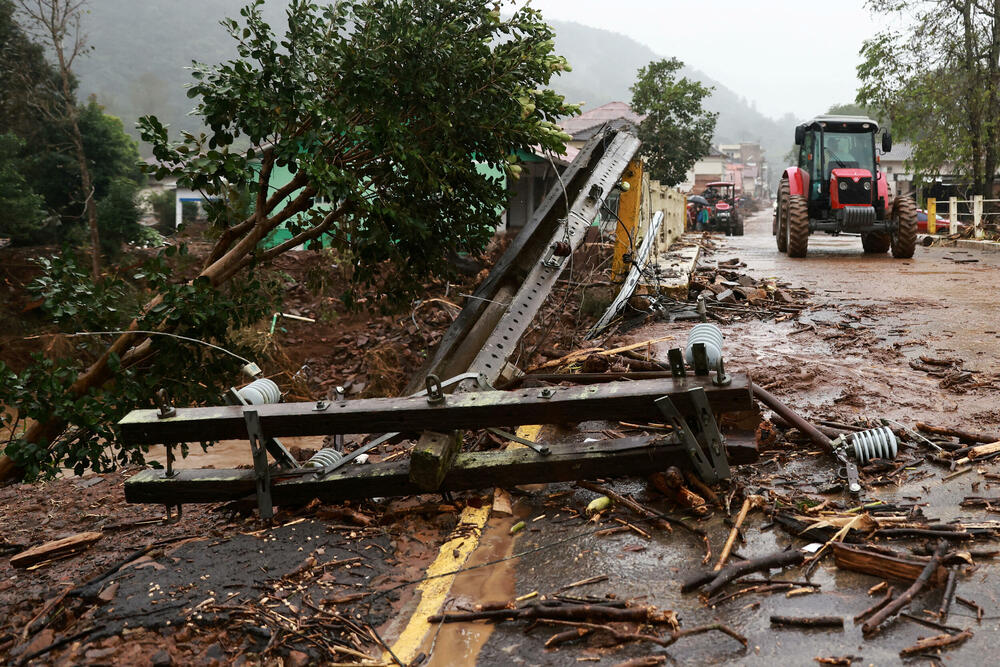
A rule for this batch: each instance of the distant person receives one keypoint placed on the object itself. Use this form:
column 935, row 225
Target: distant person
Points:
column 701, row 220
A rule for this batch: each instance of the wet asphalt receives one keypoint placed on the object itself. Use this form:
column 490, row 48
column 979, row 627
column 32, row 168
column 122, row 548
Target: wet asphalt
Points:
column 936, row 303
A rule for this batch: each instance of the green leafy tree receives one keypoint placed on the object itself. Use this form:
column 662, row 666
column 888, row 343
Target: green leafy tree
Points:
column 388, row 110
column 52, row 166
column 25, row 76
column 22, row 217
column 938, row 81
column 59, row 24
column 677, row 130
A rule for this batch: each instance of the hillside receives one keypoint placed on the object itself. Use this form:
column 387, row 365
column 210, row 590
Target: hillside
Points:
column 605, row 64
column 141, row 50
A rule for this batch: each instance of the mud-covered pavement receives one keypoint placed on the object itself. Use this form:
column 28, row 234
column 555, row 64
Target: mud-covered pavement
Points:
column 847, row 356
column 218, row 587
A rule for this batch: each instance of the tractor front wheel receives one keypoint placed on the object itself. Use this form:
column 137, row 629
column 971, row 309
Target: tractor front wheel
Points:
column 797, row 224
column 781, row 218
column 875, row 243
column 904, row 238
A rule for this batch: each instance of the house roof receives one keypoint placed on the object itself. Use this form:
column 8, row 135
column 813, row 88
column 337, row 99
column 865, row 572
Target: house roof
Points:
column 900, row 152
column 596, row 117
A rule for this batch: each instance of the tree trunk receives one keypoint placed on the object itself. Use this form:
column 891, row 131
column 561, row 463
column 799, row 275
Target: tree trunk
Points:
column 81, row 159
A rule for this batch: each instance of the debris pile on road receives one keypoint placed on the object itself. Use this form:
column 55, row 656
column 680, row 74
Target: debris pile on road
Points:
column 730, row 294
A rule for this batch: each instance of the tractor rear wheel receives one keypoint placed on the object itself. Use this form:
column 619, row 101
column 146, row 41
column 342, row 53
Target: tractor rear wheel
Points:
column 781, row 217
column 797, row 224
column 875, row 243
column 904, row 239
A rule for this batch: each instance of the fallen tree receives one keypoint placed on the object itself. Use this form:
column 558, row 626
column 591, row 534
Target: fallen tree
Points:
column 395, row 122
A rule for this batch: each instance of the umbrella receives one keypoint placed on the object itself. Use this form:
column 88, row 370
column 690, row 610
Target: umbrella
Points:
column 698, row 199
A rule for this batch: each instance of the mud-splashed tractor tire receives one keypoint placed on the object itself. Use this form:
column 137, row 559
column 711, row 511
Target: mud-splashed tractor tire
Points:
column 781, row 217
column 798, row 226
column 904, row 239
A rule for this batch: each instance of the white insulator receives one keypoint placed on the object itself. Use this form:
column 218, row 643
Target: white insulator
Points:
column 260, row 392
column 875, row 443
column 711, row 336
column 323, row 458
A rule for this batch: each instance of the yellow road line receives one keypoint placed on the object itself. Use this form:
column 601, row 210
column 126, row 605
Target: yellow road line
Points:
column 452, row 555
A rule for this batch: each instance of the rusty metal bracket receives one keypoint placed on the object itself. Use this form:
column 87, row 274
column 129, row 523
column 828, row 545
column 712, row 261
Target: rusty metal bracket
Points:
column 434, row 394
column 262, row 473
column 700, row 355
column 708, row 432
column 696, row 443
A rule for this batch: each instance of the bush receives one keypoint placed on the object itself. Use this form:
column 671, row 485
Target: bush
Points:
column 163, row 205
column 118, row 216
column 193, row 374
column 22, row 214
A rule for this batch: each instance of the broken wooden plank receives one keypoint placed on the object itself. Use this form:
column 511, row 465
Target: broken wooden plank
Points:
column 54, row 549
column 631, row 401
column 474, row 470
column 432, row 457
column 879, row 564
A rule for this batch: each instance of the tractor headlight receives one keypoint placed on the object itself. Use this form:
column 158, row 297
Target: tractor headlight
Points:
column 868, row 185
column 843, row 185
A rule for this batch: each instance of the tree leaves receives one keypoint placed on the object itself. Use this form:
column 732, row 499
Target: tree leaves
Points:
column 392, row 108
column 677, row 130
column 938, row 81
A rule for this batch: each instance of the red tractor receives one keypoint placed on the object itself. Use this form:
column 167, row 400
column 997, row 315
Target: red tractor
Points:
column 723, row 213
column 838, row 189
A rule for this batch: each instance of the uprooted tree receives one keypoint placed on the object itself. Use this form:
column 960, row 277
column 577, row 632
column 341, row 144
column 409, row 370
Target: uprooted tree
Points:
column 389, row 117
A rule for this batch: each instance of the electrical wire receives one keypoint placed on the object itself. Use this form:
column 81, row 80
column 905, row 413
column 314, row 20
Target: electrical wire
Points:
column 159, row 333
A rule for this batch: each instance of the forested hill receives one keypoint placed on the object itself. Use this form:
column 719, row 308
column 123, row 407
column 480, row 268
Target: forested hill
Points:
column 605, row 64
column 141, row 50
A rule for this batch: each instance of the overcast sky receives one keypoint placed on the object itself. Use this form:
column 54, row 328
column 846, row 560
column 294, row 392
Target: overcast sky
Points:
column 793, row 56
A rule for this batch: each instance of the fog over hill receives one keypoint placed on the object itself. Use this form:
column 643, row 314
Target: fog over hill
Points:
column 141, row 50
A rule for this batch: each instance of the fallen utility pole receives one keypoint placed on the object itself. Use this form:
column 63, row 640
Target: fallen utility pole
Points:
column 474, row 354
column 471, row 470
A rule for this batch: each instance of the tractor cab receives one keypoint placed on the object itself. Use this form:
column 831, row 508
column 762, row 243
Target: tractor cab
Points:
column 837, row 158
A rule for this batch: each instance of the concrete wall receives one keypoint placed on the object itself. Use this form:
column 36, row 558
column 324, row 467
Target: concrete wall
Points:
column 672, row 202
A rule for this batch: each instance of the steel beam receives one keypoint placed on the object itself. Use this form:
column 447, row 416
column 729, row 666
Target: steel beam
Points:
column 630, row 401
column 474, row 470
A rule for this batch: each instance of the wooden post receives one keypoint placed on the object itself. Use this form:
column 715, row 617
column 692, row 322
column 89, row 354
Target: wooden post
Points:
column 977, row 216
column 953, row 215
column 931, row 215
column 628, row 212
column 432, row 458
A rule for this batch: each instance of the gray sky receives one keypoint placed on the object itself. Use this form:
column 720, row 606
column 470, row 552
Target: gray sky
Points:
column 797, row 57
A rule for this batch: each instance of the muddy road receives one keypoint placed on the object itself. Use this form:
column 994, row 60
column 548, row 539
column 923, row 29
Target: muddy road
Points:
column 857, row 349
column 848, row 355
